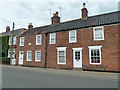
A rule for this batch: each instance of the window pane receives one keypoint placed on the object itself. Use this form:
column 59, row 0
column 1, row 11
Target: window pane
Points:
column 72, row 39
column 52, row 38
column 72, row 35
column 38, row 39
column 22, row 41
column 53, row 35
column 92, row 52
column 61, row 56
column 98, row 54
column 29, row 55
column 95, row 56
column 61, row 53
column 61, row 59
column 98, row 33
column 38, row 55
column 77, row 55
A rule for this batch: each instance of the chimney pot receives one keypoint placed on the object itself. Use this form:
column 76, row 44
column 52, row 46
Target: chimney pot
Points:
column 7, row 28
column 56, row 13
column 84, row 4
column 30, row 25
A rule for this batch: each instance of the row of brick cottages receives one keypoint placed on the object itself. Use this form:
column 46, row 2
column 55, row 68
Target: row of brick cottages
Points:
column 86, row 43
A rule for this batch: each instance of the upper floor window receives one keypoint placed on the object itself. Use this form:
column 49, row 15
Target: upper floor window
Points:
column 22, row 41
column 52, row 38
column 72, row 36
column 95, row 54
column 61, row 55
column 10, row 40
column 38, row 39
column 29, row 55
column 38, row 56
column 98, row 33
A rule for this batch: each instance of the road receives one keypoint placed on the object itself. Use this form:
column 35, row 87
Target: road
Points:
column 26, row 77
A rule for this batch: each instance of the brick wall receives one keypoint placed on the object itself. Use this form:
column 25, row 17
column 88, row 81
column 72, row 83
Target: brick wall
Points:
column 84, row 39
column 33, row 47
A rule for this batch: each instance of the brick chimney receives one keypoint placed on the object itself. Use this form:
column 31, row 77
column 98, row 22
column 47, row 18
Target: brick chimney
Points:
column 7, row 28
column 84, row 12
column 55, row 19
column 30, row 26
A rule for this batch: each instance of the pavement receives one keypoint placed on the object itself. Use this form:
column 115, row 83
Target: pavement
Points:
column 32, row 77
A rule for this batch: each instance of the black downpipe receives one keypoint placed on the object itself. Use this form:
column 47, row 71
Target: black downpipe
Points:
column 46, row 46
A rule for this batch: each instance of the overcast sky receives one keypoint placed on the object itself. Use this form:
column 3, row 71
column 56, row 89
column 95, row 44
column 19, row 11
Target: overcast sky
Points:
column 36, row 11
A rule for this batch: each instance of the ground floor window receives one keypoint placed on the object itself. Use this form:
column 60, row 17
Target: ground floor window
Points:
column 38, row 56
column 61, row 55
column 29, row 55
column 95, row 54
column 11, row 52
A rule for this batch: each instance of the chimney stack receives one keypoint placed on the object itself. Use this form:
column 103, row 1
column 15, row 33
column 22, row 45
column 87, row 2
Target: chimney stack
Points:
column 84, row 12
column 30, row 26
column 55, row 19
column 7, row 28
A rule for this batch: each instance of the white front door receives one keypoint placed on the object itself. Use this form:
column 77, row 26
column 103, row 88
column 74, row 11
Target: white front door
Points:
column 21, row 55
column 77, row 57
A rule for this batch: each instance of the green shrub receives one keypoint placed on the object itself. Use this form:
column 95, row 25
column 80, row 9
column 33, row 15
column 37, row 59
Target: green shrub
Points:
column 0, row 59
column 5, row 60
column 4, row 40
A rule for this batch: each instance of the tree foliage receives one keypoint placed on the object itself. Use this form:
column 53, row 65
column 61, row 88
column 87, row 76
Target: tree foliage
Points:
column 4, row 40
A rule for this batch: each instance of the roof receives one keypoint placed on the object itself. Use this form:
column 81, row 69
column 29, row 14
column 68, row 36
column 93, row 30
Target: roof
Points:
column 98, row 20
column 15, row 32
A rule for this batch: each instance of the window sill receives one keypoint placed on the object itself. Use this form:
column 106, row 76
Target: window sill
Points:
column 95, row 63
column 98, row 39
column 73, row 42
column 62, row 63
column 37, row 61
column 29, row 60
column 52, row 43
column 21, row 46
column 38, row 44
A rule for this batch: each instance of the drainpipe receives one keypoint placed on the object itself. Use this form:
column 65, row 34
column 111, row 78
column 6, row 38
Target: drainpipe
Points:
column 46, row 46
column 12, row 43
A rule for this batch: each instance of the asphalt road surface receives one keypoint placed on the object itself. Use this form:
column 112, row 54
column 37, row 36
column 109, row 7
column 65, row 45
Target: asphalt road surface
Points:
column 26, row 77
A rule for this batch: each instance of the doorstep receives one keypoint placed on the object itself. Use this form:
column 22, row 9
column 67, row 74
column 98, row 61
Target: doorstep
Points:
column 78, row 69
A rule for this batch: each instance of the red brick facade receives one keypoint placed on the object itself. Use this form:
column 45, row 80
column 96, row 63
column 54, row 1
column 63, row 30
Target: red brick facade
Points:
column 85, row 38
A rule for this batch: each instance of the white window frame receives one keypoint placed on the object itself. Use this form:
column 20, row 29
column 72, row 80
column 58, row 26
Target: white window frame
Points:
column 10, row 40
column 27, row 55
column 102, row 33
column 92, row 48
column 23, row 41
column 14, row 40
column 70, row 36
column 37, row 39
column 36, row 56
column 61, row 49
column 51, row 38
